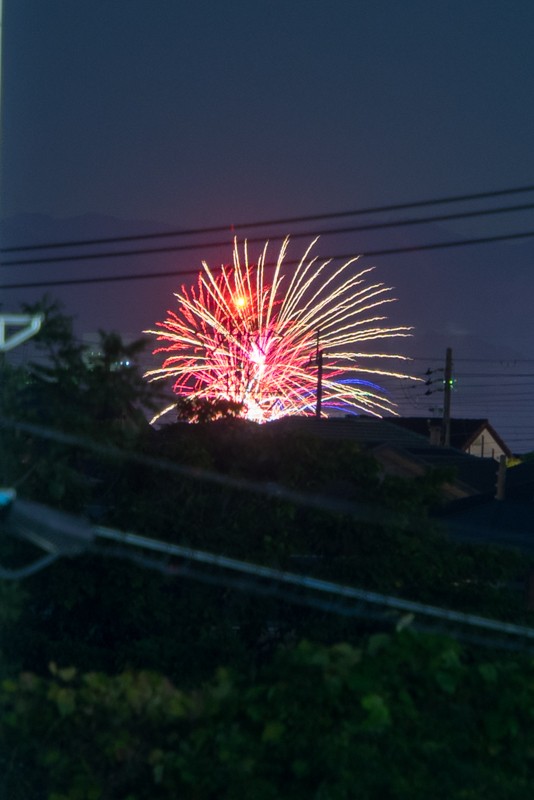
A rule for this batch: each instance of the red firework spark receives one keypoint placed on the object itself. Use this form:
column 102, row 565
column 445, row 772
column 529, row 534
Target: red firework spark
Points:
column 238, row 337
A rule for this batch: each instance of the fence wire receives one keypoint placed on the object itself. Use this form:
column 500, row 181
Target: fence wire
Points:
column 209, row 568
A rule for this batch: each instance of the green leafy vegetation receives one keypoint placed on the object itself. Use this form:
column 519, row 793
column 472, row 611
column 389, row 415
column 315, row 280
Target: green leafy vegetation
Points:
column 400, row 716
column 123, row 683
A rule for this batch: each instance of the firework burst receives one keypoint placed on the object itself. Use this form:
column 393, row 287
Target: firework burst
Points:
column 258, row 342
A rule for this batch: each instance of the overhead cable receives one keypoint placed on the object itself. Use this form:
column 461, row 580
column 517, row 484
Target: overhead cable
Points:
column 180, row 272
column 279, row 221
column 255, row 239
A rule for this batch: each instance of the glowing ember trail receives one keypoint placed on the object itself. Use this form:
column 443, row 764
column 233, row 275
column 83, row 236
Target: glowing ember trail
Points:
column 239, row 337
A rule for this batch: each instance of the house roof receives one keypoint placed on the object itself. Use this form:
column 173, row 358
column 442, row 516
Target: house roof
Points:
column 380, row 435
column 463, row 432
column 363, row 429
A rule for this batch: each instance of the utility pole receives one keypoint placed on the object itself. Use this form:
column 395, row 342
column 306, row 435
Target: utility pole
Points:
column 319, row 384
column 319, row 362
column 501, row 479
column 447, row 385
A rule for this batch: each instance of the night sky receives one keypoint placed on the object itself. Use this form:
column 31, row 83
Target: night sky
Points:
column 129, row 116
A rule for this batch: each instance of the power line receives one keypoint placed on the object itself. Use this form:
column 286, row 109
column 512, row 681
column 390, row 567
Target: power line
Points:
column 501, row 361
column 491, row 385
column 173, row 273
column 279, row 221
column 494, row 375
column 254, row 240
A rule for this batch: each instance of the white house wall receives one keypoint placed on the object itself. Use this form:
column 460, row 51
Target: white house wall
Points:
column 485, row 446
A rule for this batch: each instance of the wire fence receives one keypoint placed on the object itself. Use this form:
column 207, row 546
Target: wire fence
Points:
column 58, row 531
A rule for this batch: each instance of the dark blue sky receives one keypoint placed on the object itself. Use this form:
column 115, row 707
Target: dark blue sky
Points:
column 194, row 113
column 157, row 114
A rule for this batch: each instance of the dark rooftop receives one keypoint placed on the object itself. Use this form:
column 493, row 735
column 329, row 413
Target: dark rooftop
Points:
column 374, row 434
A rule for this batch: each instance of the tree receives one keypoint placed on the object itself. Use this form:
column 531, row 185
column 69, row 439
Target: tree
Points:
column 201, row 409
column 98, row 390
column 97, row 393
column 286, row 722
